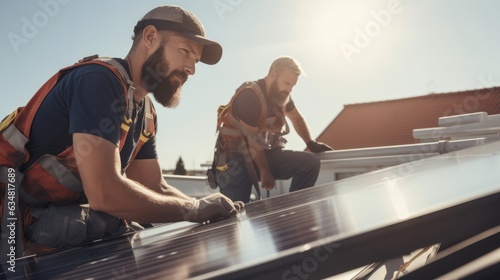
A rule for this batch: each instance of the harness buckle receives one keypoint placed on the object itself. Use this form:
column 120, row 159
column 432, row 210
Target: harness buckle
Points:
column 88, row 58
column 222, row 167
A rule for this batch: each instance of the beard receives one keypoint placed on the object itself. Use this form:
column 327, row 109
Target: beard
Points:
column 277, row 98
column 166, row 89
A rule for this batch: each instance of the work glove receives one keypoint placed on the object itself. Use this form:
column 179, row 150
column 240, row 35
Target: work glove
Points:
column 212, row 208
column 318, row 147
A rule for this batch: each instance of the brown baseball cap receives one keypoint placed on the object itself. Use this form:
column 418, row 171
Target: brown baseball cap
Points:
column 179, row 20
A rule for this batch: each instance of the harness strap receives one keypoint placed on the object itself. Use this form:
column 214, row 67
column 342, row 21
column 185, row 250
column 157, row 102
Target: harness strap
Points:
column 149, row 126
column 255, row 87
column 262, row 97
column 149, row 113
column 230, row 131
column 62, row 174
column 50, row 163
column 280, row 115
column 131, row 86
column 237, row 130
column 251, row 170
column 16, row 127
column 240, row 131
column 15, row 138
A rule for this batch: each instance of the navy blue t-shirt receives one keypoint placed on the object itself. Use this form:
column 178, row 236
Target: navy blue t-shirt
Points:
column 87, row 99
column 247, row 106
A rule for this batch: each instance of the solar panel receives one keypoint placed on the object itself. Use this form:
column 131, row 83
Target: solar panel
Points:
column 309, row 234
column 475, row 258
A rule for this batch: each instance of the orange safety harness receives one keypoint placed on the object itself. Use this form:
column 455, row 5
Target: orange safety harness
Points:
column 231, row 133
column 55, row 178
column 234, row 137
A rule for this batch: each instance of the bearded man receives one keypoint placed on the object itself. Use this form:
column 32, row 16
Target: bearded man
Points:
column 250, row 144
column 90, row 166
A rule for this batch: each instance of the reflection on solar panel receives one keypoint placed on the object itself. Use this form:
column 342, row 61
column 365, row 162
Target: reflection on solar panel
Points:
column 310, row 234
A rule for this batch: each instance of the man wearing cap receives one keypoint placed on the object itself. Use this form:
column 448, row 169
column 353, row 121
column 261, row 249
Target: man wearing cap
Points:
column 98, row 120
column 250, row 145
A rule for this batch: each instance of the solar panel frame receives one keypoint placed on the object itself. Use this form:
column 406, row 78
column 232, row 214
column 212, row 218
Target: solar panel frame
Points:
column 317, row 232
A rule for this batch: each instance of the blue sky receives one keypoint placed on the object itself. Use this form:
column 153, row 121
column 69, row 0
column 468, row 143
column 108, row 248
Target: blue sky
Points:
column 351, row 51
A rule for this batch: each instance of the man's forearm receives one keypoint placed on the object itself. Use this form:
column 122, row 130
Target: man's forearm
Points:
column 302, row 129
column 299, row 124
column 166, row 189
column 131, row 201
column 126, row 197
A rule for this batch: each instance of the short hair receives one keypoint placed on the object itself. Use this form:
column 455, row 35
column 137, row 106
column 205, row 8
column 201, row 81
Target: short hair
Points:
column 283, row 62
column 137, row 37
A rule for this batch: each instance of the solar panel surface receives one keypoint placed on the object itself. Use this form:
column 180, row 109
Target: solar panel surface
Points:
column 314, row 233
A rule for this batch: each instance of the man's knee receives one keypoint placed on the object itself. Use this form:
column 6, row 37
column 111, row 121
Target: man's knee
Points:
column 312, row 161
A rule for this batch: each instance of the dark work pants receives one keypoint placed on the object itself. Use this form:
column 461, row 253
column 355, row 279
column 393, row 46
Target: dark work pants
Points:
column 302, row 167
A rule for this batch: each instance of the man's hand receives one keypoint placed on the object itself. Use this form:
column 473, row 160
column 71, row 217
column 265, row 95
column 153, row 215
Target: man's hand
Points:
column 213, row 207
column 267, row 180
column 318, row 147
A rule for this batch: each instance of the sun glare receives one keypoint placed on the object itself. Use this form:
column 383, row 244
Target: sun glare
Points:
column 346, row 32
column 328, row 23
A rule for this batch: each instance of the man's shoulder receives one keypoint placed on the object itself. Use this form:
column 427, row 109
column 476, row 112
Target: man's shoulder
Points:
column 248, row 96
column 256, row 86
column 91, row 79
column 92, row 76
column 252, row 89
column 92, row 68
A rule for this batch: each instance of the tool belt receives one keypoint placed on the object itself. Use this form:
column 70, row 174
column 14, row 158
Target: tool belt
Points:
column 36, row 230
column 240, row 146
column 60, row 226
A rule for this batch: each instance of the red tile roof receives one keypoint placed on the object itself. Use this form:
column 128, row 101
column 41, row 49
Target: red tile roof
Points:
column 391, row 122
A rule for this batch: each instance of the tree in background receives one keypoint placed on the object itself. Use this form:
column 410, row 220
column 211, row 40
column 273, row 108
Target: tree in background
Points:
column 179, row 168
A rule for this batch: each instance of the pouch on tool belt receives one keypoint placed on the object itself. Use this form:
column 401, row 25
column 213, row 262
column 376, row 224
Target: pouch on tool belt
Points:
column 212, row 178
column 58, row 226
